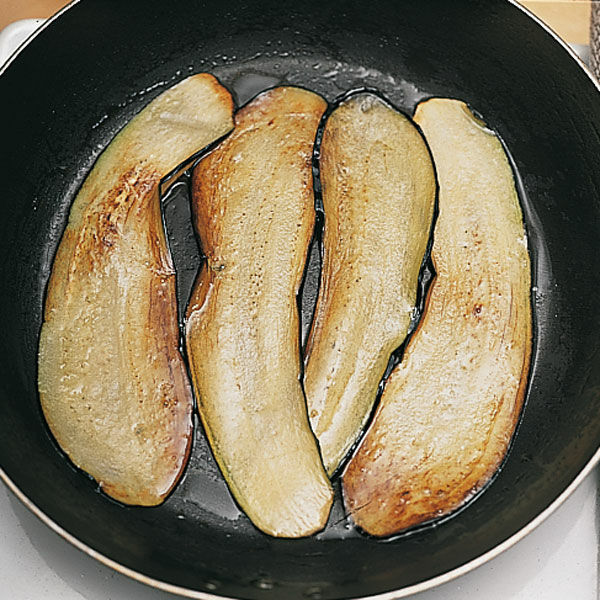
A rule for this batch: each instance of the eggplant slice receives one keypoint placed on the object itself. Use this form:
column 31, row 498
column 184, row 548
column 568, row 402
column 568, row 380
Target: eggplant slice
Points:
column 379, row 192
column 254, row 214
column 113, row 385
column 450, row 408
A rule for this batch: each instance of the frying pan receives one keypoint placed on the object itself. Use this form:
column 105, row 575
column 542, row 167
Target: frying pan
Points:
column 68, row 92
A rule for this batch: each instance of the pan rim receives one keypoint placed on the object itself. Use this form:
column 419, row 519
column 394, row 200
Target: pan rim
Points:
column 34, row 34
column 392, row 595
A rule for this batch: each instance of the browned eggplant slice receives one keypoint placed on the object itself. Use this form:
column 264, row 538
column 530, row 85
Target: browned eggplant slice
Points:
column 113, row 385
column 254, row 213
column 378, row 195
column 449, row 410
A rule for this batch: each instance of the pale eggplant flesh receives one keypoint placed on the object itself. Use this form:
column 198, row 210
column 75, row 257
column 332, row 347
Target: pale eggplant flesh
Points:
column 113, row 385
column 450, row 408
column 254, row 213
column 379, row 189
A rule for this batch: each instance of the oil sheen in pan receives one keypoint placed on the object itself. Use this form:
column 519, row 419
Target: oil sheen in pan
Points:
column 202, row 494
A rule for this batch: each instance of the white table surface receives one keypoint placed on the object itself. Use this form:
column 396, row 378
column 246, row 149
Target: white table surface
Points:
column 557, row 561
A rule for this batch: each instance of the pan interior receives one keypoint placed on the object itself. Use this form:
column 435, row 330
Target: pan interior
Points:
column 82, row 79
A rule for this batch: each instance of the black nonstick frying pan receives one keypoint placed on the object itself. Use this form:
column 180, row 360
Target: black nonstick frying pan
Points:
column 85, row 75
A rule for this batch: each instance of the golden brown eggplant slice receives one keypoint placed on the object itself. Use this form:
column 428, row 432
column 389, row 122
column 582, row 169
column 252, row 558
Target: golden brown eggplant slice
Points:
column 113, row 385
column 378, row 195
column 254, row 213
column 450, row 408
